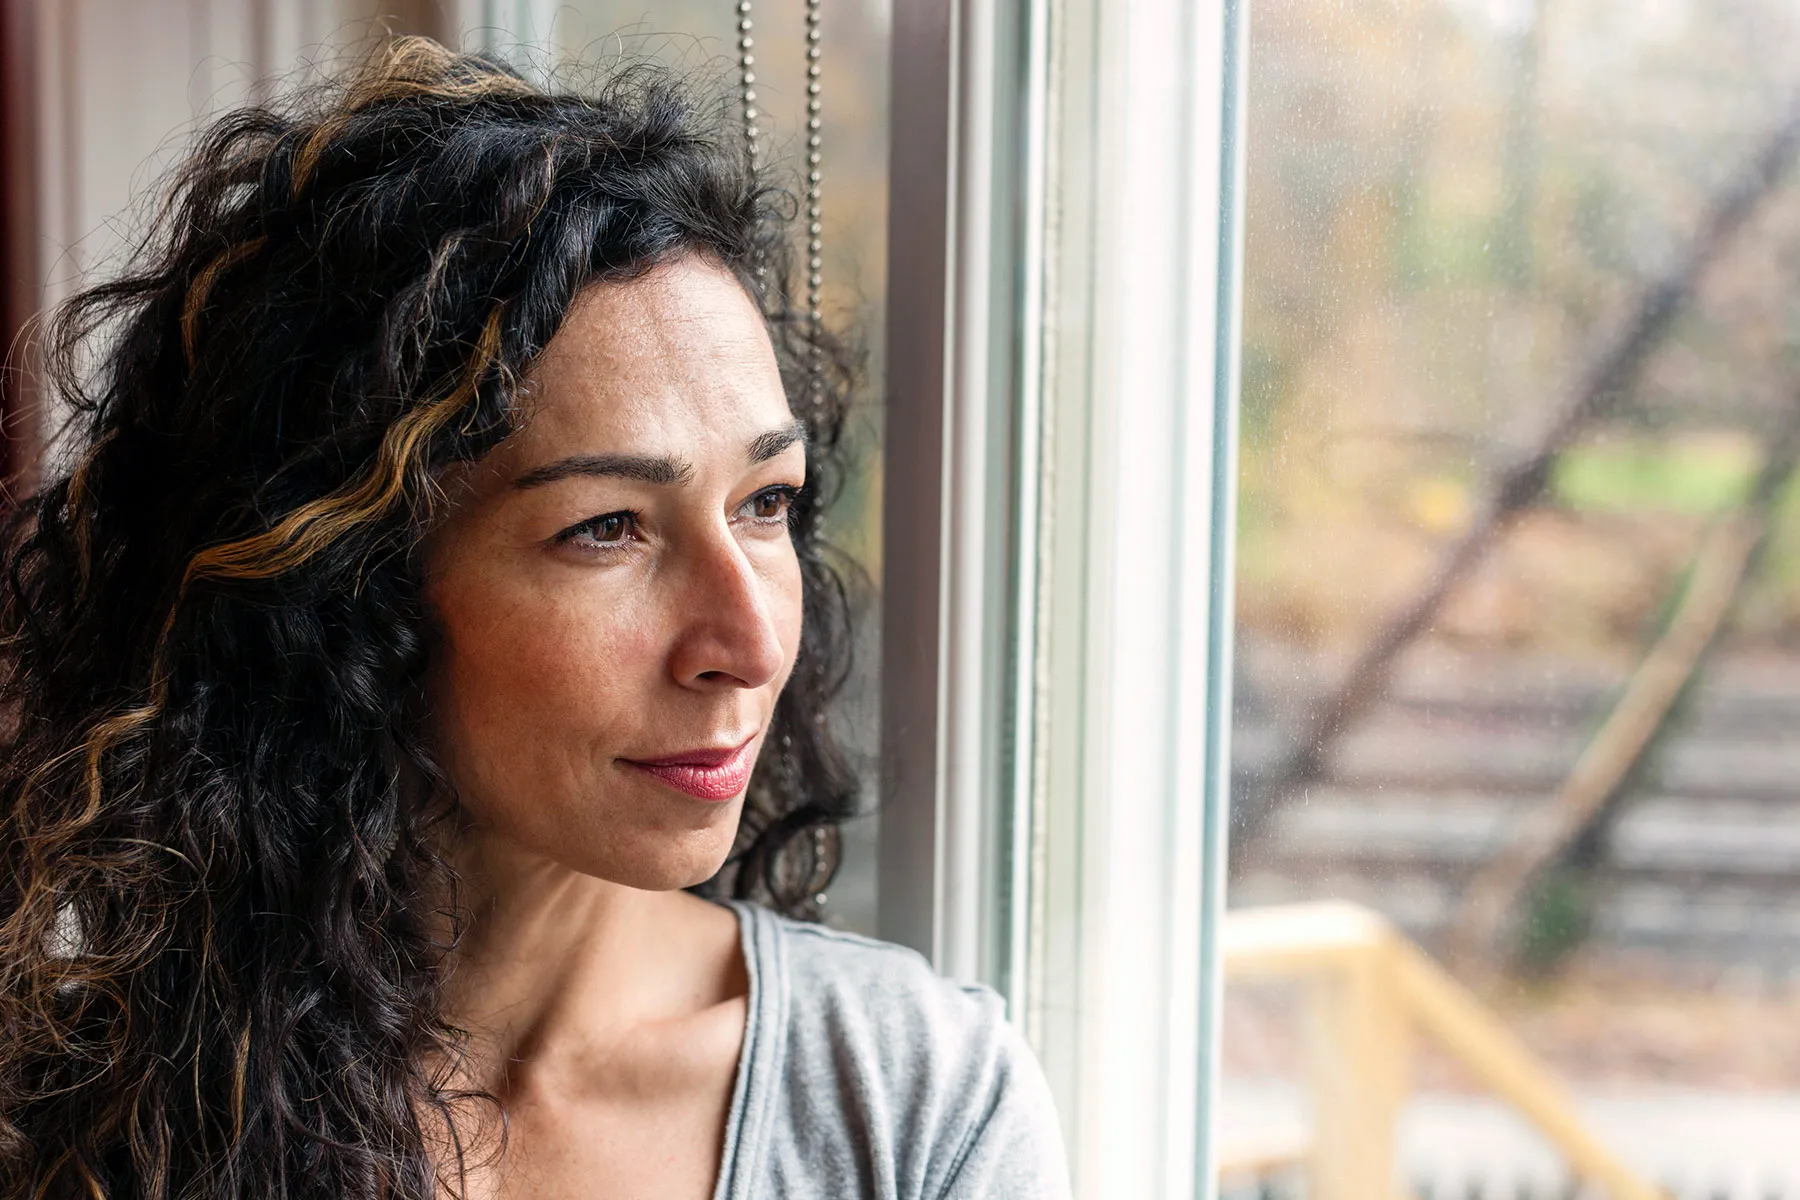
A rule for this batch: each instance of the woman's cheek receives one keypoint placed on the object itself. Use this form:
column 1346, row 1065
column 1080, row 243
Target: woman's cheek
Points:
column 790, row 608
column 566, row 657
column 513, row 654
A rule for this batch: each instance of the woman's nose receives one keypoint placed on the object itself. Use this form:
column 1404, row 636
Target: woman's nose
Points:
column 728, row 634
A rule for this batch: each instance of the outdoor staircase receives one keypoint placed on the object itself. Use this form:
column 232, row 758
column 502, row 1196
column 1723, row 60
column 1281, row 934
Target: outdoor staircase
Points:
column 1702, row 866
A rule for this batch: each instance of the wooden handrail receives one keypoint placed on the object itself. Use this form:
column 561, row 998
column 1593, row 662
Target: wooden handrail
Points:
column 1370, row 989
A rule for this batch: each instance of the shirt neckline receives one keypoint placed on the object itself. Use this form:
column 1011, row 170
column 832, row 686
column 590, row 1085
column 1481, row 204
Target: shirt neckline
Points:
column 746, row 1125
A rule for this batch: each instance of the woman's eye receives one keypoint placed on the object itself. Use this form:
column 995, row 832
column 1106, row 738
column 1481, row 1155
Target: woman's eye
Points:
column 770, row 505
column 610, row 530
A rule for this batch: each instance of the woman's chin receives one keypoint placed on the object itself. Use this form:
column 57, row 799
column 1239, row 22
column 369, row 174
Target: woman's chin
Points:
column 671, row 878
column 662, row 865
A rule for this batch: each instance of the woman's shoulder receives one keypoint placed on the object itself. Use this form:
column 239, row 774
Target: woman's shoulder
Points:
column 853, row 992
column 849, row 975
column 923, row 1065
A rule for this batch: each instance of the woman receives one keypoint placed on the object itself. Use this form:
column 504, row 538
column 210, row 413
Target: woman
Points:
column 435, row 604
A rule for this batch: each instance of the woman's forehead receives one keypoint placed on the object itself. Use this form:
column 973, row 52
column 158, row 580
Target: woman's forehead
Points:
column 689, row 314
column 679, row 355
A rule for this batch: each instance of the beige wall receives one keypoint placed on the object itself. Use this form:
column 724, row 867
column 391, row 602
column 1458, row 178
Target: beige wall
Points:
column 122, row 84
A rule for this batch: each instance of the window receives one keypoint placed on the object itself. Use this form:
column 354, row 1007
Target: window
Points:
column 1515, row 642
column 1062, row 338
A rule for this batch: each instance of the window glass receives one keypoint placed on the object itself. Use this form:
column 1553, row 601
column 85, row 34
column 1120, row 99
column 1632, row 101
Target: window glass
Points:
column 1518, row 629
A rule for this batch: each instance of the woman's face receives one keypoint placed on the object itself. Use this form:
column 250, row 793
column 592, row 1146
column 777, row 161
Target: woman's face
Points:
column 616, row 589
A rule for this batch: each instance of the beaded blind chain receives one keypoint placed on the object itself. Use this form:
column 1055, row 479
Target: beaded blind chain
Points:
column 815, row 261
column 747, row 76
column 823, row 837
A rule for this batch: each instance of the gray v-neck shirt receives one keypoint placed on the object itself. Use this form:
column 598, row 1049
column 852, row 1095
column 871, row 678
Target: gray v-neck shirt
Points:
column 866, row 1076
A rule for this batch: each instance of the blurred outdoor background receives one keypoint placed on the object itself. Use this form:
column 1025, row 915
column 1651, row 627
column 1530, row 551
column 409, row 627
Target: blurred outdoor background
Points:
column 1519, row 559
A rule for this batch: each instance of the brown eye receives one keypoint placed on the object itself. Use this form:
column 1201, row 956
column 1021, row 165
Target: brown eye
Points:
column 770, row 506
column 608, row 530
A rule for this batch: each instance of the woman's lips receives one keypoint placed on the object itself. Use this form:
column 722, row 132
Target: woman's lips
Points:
column 707, row 774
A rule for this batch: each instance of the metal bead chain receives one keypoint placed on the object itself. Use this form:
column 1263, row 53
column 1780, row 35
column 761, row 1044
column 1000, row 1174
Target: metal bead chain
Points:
column 815, row 258
column 815, row 261
column 747, row 77
column 822, row 841
column 747, row 94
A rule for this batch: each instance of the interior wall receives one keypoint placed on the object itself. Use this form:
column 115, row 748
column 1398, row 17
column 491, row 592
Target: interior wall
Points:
column 121, row 86
column 20, row 269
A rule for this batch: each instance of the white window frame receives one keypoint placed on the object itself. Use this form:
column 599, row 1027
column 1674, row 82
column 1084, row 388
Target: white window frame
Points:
column 1060, row 462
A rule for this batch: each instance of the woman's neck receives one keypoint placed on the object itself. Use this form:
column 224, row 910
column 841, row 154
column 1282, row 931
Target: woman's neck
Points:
column 551, row 961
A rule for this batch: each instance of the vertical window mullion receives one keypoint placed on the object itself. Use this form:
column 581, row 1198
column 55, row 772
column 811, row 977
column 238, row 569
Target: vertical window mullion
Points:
column 1138, row 410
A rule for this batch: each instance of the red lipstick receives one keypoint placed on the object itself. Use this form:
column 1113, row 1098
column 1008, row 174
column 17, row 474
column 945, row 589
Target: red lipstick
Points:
column 706, row 774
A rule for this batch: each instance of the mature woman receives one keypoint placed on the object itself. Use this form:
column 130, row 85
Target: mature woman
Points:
column 416, row 746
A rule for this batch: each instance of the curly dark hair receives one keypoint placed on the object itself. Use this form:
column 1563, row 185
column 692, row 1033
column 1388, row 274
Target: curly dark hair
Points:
column 218, row 968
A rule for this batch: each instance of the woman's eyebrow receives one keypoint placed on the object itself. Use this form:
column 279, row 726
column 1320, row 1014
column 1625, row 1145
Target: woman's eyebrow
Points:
column 653, row 468
column 765, row 446
column 645, row 468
